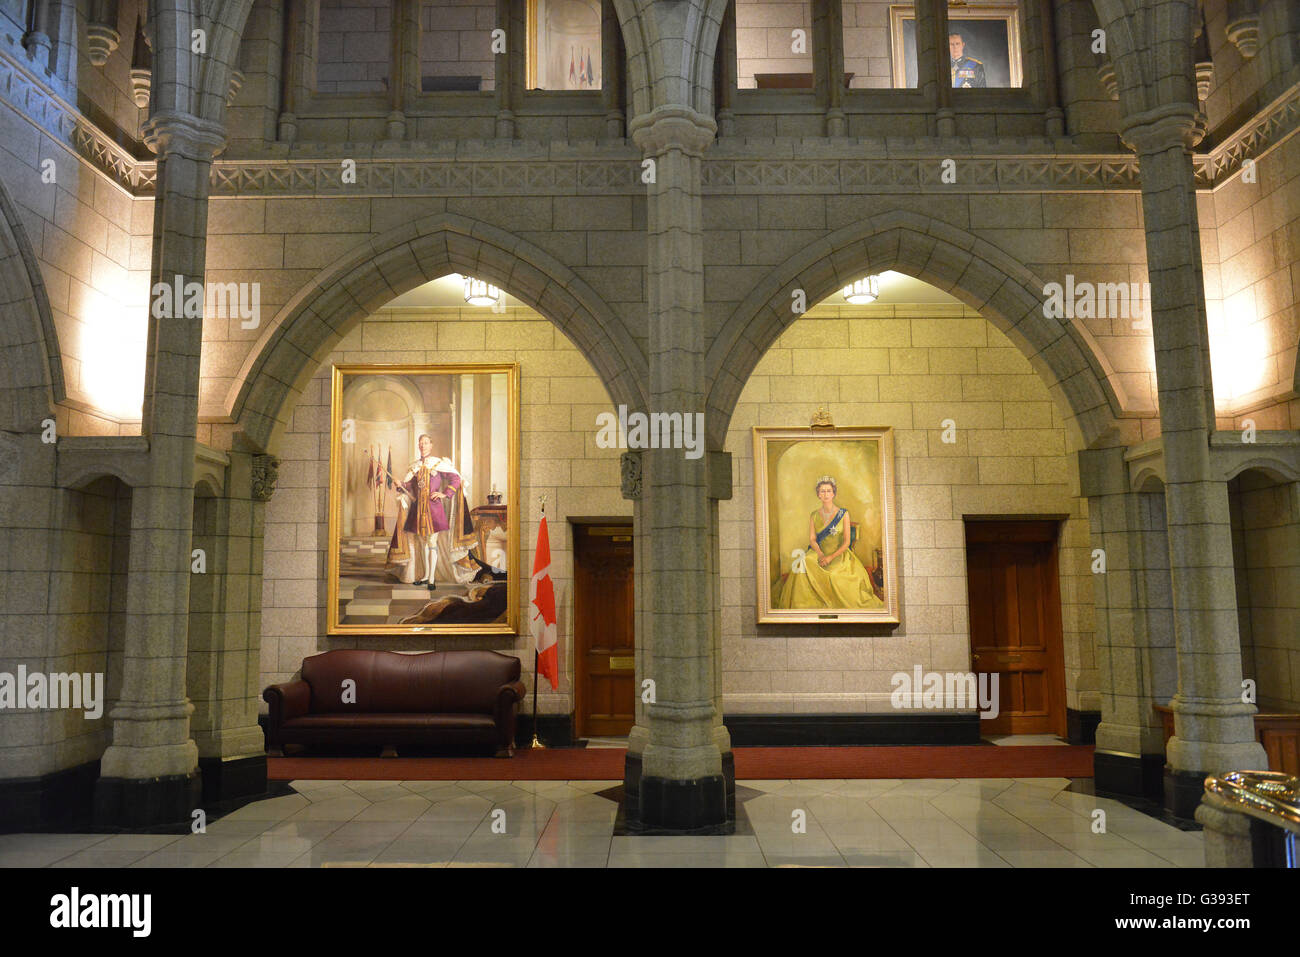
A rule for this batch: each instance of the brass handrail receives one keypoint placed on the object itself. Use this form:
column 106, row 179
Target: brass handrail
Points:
column 1270, row 796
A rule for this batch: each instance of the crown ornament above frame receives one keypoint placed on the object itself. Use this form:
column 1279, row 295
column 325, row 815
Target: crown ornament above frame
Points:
column 821, row 419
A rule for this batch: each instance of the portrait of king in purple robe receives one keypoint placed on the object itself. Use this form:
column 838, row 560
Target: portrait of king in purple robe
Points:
column 415, row 529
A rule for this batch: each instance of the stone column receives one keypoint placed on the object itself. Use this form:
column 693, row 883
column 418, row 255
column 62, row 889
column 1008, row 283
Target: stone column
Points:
column 1087, row 107
column 933, row 78
column 675, row 754
column 1214, row 727
column 298, row 73
column 1134, row 630
column 828, row 62
column 1047, row 84
column 611, row 70
column 511, row 66
column 148, row 775
column 224, row 666
column 404, row 65
column 724, row 72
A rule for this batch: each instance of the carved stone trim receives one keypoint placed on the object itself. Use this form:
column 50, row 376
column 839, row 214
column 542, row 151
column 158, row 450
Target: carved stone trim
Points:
column 39, row 105
column 630, row 474
column 266, row 469
column 446, row 170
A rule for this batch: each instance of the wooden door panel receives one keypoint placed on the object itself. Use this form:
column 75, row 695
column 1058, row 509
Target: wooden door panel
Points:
column 1015, row 623
column 604, row 644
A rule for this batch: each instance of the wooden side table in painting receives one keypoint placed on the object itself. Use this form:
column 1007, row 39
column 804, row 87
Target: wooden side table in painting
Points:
column 486, row 518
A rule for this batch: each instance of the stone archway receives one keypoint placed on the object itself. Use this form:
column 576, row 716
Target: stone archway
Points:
column 31, row 369
column 971, row 269
column 383, row 268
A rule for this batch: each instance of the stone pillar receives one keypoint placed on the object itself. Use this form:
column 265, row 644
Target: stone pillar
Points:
column 298, row 73
column 261, row 54
column 1047, row 84
column 224, row 666
column 1214, row 727
column 148, row 775
column 724, row 72
column 37, row 39
column 828, row 62
column 511, row 66
column 611, row 70
column 1088, row 108
column 933, row 77
column 1134, row 631
column 676, row 776
column 404, row 65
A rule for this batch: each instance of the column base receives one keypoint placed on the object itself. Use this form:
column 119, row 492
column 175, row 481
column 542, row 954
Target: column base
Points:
column 228, row 780
column 147, row 802
column 1132, row 775
column 665, row 806
column 1081, row 726
column 1183, row 791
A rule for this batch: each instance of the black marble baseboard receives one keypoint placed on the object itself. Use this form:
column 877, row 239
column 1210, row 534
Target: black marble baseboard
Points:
column 225, row 781
column 1183, row 790
column 1081, row 726
column 1129, row 775
column 147, row 802
column 553, row 730
column 49, row 802
column 840, row 730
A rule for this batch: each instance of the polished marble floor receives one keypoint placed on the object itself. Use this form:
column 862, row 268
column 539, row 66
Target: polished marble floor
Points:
column 1032, row 822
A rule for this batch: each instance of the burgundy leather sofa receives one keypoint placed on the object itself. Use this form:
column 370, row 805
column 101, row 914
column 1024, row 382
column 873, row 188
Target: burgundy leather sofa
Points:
column 457, row 699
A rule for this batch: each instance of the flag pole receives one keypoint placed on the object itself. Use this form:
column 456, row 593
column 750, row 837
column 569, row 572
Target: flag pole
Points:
column 537, row 744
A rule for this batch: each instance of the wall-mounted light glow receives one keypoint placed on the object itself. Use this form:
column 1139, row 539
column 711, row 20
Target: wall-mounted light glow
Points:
column 862, row 291
column 1240, row 359
column 478, row 292
column 113, row 346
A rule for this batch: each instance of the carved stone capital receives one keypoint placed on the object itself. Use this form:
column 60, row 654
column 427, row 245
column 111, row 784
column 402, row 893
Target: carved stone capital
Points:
column 1155, row 131
column 668, row 128
column 101, row 41
column 184, row 135
column 1242, row 28
column 630, row 474
column 266, row 469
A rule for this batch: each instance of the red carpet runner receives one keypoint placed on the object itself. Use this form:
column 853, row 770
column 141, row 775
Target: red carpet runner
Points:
column 606, row 764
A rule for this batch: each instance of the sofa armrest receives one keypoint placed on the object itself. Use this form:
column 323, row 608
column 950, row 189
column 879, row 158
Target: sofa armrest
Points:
column 289, row 700
column 508, row 696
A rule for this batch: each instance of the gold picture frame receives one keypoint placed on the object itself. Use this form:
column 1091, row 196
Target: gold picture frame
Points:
column 1000, row 53
column 467, row 536
column 546, row 40
column 859, row 581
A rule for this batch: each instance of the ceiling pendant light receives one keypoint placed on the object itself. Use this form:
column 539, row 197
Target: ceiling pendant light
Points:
column 862, row 291
column 479, row 292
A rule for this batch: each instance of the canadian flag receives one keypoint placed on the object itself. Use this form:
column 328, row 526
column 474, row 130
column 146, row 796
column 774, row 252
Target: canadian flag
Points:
column 541, row 595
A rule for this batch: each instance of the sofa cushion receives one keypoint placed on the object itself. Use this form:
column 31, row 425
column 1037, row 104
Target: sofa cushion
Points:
column 388, row 682
column 397, row 721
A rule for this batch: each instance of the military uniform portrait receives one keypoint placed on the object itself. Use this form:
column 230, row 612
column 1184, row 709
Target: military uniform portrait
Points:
column 983, row 47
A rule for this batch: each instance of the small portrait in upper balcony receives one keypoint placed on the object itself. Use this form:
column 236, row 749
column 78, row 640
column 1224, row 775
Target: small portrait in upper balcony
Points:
column 983, row 46
column 967, row 72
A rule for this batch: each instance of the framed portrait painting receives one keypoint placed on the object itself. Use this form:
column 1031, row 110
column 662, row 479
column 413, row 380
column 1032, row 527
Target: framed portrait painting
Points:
column 423, row 500
column 983, row 46
column 824, row 522
column 564, row 44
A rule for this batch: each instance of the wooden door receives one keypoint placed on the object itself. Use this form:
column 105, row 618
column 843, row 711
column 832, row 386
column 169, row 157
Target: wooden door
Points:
column 1015, row 622
column 602, row 629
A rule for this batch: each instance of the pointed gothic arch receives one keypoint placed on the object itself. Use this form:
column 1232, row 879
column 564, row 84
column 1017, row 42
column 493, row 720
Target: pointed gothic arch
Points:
column 377, row 271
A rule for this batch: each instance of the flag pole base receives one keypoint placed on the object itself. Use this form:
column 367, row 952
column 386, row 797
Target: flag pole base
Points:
column 537, row 745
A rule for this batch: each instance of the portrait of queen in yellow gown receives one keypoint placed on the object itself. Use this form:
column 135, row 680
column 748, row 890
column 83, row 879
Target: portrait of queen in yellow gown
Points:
column 828, row 573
